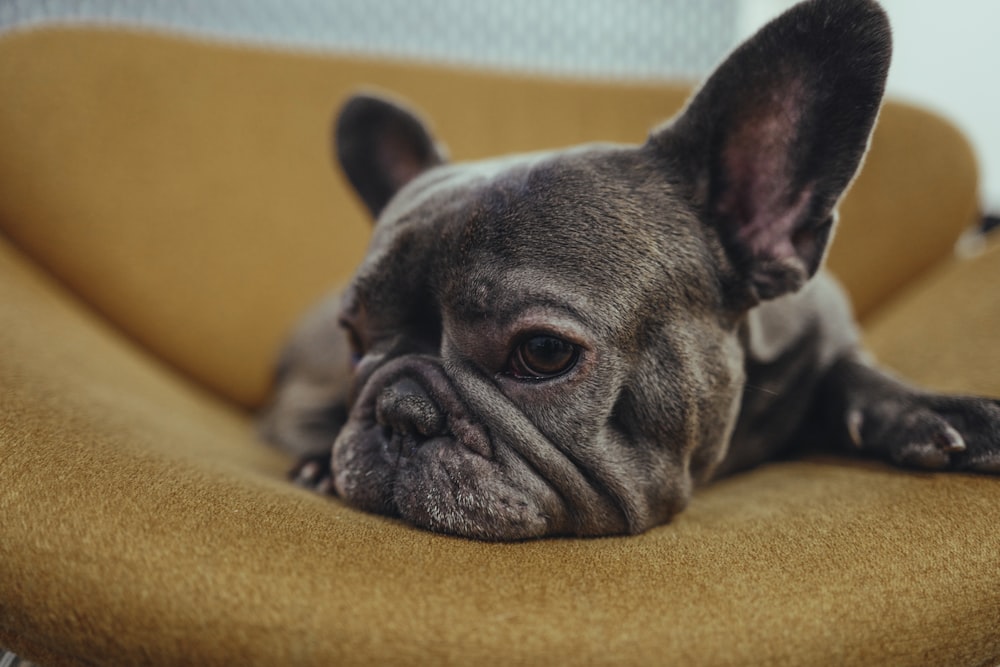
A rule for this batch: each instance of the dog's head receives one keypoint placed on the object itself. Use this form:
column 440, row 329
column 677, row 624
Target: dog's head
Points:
column 547, row 344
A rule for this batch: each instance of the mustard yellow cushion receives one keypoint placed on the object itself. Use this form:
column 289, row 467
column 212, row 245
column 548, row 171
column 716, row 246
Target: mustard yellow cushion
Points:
column 945, row 328
column 143, row 524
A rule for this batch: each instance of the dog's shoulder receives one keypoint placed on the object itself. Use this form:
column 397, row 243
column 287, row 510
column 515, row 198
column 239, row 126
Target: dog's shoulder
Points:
column 817, row 319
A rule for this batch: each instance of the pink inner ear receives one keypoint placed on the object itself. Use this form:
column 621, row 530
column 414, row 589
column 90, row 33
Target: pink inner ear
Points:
column 758, row 201
column 398, row 159
column 769, row 232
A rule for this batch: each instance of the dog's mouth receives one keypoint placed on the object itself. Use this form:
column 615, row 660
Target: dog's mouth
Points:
column 445, row 450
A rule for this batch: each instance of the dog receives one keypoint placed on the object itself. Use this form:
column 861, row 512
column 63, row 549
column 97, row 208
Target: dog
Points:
column 568, row 343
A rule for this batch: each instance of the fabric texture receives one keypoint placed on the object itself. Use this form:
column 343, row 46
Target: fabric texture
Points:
column 168, row 208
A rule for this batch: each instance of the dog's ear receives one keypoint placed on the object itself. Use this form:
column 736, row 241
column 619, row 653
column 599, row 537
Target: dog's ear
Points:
column 770, row 142
column 381, row 146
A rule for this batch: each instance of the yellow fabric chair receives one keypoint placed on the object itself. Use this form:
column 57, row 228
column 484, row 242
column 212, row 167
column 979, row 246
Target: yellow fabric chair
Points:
column 168, row 208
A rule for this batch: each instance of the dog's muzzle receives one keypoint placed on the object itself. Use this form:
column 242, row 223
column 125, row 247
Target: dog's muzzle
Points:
column 443, row 448
column 416, row 403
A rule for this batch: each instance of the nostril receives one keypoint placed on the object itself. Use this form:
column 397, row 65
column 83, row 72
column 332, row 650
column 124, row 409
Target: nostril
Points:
column 405, row 408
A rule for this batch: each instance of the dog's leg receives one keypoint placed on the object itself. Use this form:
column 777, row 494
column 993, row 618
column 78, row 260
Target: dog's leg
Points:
column 872, row 411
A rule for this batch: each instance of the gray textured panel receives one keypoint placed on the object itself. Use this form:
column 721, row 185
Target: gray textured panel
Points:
column 607, row 38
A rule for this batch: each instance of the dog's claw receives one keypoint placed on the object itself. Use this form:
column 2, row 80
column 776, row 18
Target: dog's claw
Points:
column 313, row 472
column 949, row 440
column 307, row 473
column 855, row 419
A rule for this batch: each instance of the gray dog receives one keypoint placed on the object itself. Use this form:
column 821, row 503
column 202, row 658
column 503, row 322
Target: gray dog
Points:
column 567, row 343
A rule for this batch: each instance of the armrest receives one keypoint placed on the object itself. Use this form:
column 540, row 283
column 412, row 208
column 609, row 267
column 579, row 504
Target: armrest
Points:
column 944, row 330
column 121, row 481
column 916, row 193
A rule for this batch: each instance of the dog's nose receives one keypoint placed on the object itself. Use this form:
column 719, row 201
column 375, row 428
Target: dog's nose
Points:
column 404, row 408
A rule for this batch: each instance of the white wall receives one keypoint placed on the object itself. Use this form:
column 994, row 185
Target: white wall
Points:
column 946, row 56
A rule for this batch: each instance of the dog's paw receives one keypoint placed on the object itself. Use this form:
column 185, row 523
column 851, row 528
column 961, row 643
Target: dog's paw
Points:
column 314, row 472
column 930, row 431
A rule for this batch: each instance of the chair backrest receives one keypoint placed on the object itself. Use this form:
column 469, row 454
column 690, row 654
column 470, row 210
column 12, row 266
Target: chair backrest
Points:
column 185, row 188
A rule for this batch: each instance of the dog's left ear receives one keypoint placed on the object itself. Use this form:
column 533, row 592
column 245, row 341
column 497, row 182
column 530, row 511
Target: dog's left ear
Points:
column 382, row 146
column 770, row 142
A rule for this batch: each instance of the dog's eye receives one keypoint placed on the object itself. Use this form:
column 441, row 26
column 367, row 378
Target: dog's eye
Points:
column 354, row 341
column 542, row 357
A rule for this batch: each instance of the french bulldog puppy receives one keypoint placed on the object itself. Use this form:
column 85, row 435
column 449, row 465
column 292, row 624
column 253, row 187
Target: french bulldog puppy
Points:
column 568, row 343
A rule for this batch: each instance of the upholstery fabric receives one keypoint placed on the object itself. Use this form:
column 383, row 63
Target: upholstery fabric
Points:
column 944, row 327
column 167, row 209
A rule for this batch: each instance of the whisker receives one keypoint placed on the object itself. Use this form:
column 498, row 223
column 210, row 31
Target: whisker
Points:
column 761, row 389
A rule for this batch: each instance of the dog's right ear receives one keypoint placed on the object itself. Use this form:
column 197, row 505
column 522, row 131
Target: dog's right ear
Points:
column 381, row 146
column 771, row 141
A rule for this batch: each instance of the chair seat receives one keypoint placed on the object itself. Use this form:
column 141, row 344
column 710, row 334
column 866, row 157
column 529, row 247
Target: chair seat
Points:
column 144, row 524
column 167, row 208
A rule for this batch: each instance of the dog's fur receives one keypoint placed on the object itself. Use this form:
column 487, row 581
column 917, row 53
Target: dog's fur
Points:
column 566, row 343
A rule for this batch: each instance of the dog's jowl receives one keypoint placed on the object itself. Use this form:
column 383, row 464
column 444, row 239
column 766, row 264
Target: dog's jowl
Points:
column 567, row 343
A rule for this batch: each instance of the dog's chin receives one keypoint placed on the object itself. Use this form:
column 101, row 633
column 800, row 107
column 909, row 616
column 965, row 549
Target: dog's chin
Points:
column 448, row 489
column 443, row 486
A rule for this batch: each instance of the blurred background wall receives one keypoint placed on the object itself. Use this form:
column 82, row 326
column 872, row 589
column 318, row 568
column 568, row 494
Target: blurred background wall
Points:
column 946, row 54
